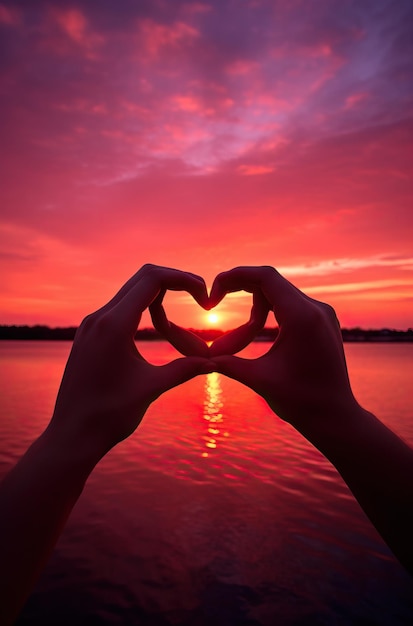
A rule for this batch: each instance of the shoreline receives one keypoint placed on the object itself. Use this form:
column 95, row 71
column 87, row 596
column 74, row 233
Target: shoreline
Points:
column 352, row 335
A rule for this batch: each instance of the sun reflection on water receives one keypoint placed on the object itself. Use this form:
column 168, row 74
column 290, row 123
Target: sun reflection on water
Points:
column 213, row 415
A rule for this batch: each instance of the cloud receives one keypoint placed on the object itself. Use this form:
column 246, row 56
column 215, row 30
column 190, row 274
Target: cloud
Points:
column 195, row 133
column 363, row 286
column 336, row 266
column 160, row 38
column 9, row 16
column 255, row 170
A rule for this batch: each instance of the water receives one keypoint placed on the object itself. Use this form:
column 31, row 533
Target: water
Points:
column 214, row 511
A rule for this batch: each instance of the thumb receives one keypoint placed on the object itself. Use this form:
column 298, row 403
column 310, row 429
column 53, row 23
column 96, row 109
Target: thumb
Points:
column 181, row 370
column 237, row 368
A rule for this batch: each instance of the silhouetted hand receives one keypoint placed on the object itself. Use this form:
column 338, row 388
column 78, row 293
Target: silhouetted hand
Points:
column 304, row 379
column 304, row 374
column 106, row 388
column 107, row 385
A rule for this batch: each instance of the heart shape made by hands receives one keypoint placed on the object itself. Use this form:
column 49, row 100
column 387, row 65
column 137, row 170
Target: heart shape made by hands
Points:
column 231, row 342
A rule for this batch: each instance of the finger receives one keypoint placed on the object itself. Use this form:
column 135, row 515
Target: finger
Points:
column 260, row 309
column 159, row 320
column 186, row 342
column 240, row 337
column 242, row 370
column 130, row 306
column 284, row 298
column 183, row 340
column 147, row 269
column 182, row 369
column 232, row 342
column 127, row 286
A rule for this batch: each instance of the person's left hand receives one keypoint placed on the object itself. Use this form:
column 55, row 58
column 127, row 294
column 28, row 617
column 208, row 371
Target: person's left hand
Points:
column 107, row 385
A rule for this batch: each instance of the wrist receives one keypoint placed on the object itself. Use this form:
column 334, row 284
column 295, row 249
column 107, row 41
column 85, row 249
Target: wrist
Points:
column 336, row 427
column 71, row 453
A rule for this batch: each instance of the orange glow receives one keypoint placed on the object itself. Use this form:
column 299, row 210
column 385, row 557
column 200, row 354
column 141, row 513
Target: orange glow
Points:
column 170, row 162
column 213, row 412
column 212, row 318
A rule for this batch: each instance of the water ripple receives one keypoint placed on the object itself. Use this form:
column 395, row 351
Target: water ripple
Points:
column 213, row 512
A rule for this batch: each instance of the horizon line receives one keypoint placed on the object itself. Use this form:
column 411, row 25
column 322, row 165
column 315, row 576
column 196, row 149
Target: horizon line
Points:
column 208, row 330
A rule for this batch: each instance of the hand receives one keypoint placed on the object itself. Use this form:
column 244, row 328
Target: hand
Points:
column 230, row 343
column 106, row 388
column 304, row 375
column 304, row 379
column 107, row 385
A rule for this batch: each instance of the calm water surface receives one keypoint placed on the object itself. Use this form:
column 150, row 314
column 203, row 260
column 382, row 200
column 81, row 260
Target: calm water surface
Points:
column 214, row 511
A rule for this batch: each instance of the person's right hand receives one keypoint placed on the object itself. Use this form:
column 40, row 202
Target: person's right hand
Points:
column 304, row 379
column 304, row 375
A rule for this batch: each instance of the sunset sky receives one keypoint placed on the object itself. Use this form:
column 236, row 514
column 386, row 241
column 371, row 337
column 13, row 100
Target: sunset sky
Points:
column 205, row 135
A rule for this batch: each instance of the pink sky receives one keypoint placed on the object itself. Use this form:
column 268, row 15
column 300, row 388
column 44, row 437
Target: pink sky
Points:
column 205, row 135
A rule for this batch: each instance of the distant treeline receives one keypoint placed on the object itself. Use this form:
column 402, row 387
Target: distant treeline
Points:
column 45, row 333
column 381, row 335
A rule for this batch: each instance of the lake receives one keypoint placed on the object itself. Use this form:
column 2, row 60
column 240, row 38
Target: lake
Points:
column 214, row 512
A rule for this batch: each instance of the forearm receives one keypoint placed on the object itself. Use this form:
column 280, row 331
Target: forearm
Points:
column 378, row 468
column 106, row 388
column 36, row 498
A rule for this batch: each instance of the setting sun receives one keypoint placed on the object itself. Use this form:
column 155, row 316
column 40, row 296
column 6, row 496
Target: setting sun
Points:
column 212, row 318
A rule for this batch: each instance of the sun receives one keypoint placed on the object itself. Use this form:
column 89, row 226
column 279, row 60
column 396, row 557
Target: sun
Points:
column 213, row 318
